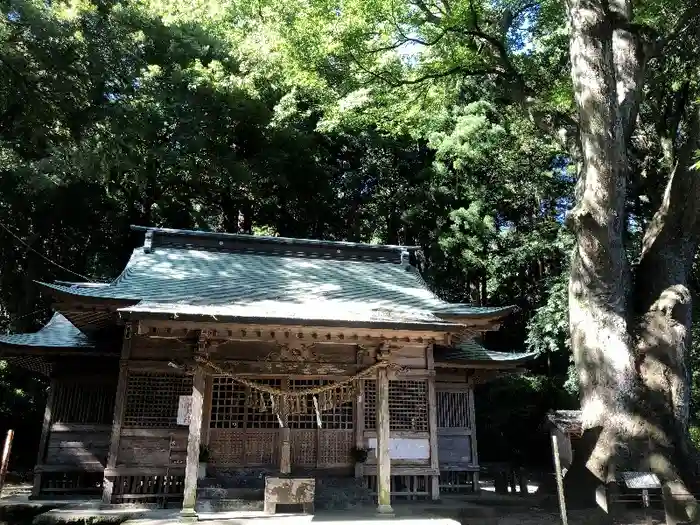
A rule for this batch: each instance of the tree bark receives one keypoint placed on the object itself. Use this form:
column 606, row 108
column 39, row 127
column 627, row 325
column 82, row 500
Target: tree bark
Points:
column 628, row 338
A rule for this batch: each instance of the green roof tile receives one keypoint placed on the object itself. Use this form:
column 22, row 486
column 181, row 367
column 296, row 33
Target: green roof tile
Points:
column 472, row 352
column 59, row 332
column 288, row 278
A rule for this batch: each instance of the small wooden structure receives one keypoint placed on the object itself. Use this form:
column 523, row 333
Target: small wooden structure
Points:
column 282, row 355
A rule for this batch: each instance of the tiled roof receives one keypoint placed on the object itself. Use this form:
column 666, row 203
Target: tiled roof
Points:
column 199, row 273
column 470, row 351
column 57, row 333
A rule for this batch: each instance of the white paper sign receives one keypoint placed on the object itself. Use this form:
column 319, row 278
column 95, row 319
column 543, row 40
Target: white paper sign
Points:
column 641, row 480
column 184, row 410
column 405, row 448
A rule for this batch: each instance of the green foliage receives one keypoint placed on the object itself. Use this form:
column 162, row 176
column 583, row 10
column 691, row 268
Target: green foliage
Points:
column 380, row 121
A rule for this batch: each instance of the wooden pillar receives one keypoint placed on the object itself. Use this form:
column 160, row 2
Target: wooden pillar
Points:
column 119, row 405
column 285, row 436
column 560, row 479
column 206, row 410
column 472, row 423
column 360, row 424
column 383, row 434
column 45, row 431
column 192, row 465
column 432, row 426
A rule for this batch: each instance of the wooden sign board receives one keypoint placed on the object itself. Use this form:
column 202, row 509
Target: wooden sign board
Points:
column 184, row 410
column 406, row 448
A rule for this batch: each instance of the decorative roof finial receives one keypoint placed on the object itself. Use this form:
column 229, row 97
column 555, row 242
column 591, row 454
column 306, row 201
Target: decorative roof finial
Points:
column 405, row 258
column 148, row 242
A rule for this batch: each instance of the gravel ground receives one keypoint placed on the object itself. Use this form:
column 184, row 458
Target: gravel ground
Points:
column 540, row 517
column 514, row 516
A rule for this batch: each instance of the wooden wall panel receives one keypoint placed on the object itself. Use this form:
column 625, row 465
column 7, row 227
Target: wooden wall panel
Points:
column 148, row 448
column 144, row 347
column 78, row 448
column 410, row 356
column 454, row 450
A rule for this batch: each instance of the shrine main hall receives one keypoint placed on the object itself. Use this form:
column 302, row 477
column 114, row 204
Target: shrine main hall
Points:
column 295, row 371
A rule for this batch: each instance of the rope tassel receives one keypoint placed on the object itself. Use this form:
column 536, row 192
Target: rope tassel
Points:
column 318, row 412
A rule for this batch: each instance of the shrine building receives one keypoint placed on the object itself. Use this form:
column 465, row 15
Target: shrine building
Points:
column 288, row 366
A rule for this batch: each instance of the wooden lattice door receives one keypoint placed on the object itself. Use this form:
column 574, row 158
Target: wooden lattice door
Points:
column 326, row 447
column 240, row 434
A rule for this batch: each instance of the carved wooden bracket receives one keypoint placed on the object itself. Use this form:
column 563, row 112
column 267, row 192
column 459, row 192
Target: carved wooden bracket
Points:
column 204, row 341
column 384, row 350
column 297, row 353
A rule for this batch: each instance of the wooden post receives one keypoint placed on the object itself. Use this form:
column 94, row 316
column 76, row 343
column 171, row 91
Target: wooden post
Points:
column 285, row 450
column 432, row 426
column 192, row 465
column 560, row 479
column 206, row 411
column 6, row 457
column 285, row 437
column 119, row 405
column 360, row 425
column 472, row 423
column 45, row 430
column 383, row 435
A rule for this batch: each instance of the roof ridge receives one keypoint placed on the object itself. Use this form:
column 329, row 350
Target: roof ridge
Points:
column 261, row 239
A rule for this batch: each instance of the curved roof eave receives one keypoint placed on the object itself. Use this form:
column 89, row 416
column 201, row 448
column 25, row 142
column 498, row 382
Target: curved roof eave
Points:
column 59, row 332
column 86, row 293
column 471, row 353
column 462, row 314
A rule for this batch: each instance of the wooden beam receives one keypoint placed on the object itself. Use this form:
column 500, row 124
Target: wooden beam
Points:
column 177, row 329
column 432, row 425
column 45, row 429
column 383, row 433
column 192, row 467
column 146, row 471
column 481, row 365
column 83, row 467
column 262, row 368
column 119, row 405
column 79, row 427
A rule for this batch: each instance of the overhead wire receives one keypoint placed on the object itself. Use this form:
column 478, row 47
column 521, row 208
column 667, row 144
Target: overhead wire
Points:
column 18, row 238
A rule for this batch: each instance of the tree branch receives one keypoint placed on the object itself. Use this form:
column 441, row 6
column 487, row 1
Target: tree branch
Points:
column 670, row 242
column 405, row 40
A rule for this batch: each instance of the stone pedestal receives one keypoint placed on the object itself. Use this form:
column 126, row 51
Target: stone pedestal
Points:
column 289, row 491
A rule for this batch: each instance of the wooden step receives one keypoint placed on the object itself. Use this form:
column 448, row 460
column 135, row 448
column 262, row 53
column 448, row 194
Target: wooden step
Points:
column 219, row 505
column 238, row 493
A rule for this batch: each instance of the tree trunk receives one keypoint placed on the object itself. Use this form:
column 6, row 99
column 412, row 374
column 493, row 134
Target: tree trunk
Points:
column 630, row 361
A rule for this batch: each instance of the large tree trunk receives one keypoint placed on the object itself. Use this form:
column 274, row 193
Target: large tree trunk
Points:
column 628, row 337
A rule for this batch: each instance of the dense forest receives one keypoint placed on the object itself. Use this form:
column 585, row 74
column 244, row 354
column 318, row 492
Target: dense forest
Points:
column 472, row 129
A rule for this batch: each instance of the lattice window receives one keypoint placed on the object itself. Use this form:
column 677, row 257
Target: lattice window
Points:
column 408, row 405
column 453, row 410
column 340, row 417
column 370, row 405
column 307, row 420
column 152, row 399
column 254, row 417
column 85, row 403
column 228, row 402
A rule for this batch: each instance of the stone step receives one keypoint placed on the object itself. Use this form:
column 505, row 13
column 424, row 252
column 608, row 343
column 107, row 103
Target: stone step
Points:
column 236, row 493
column 221, row 505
